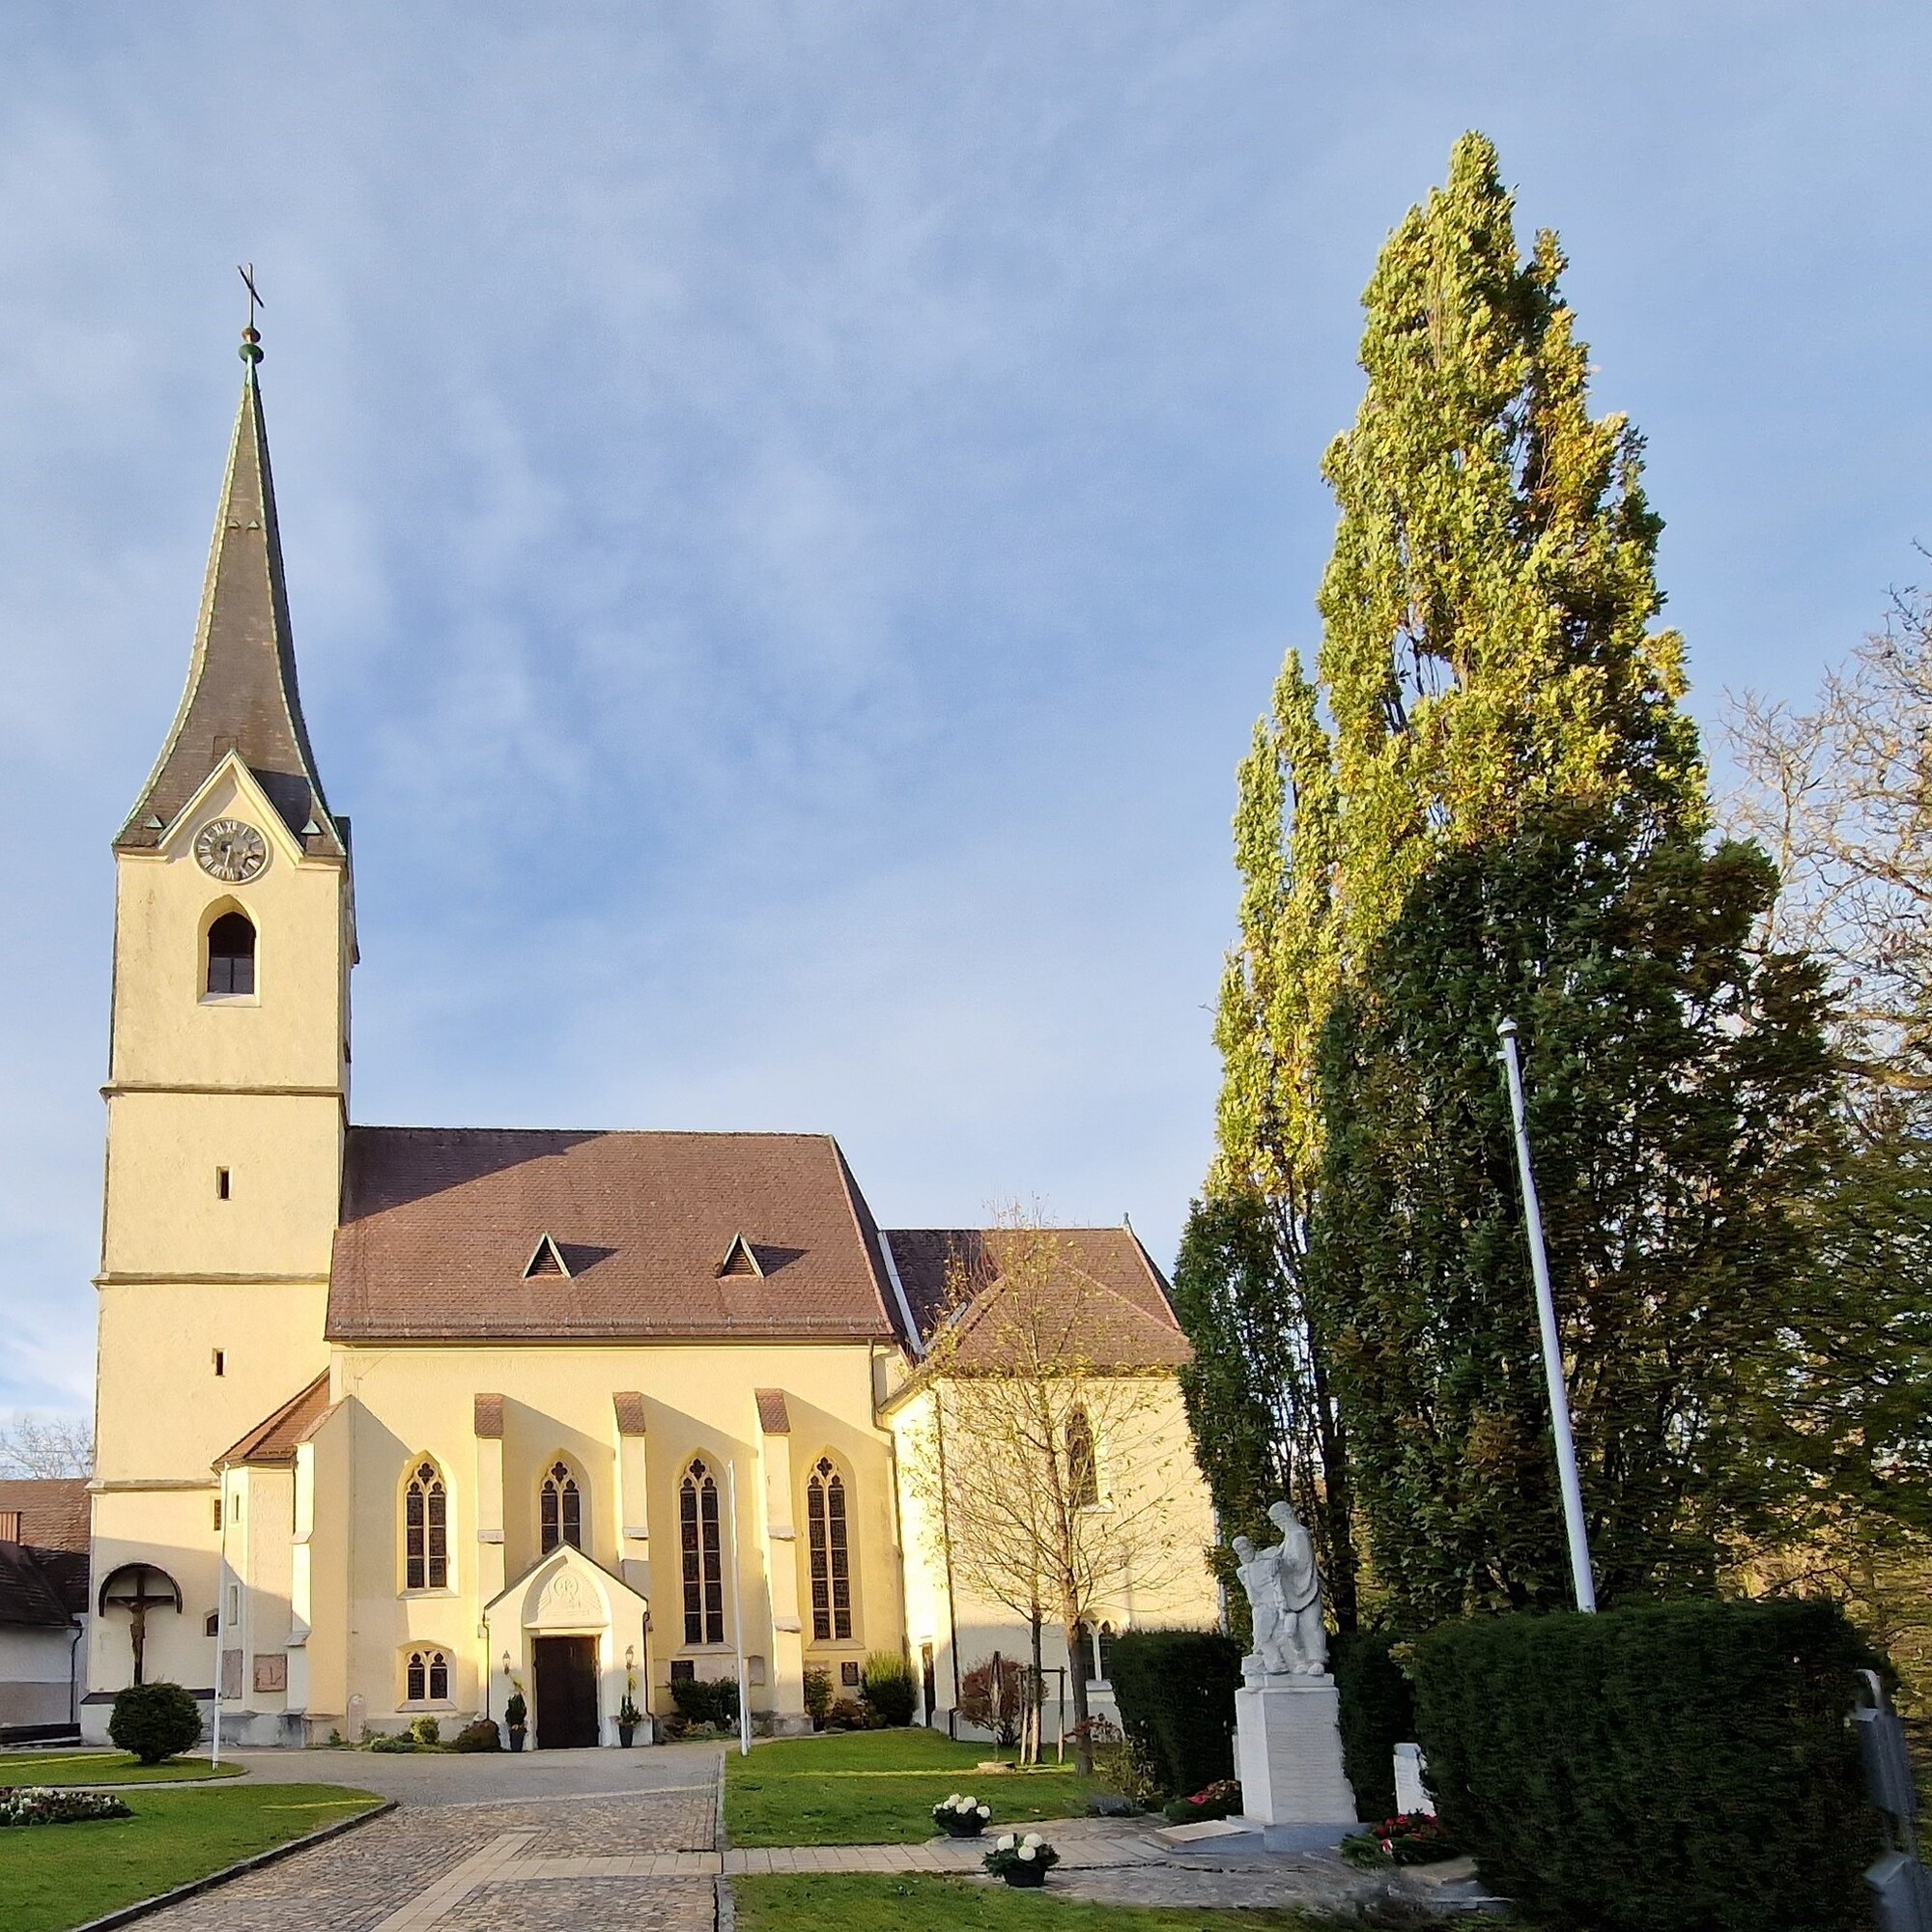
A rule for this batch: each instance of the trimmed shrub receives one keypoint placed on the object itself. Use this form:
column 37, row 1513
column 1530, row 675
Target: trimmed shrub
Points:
column 1176, row 1690
column 888, row 1689
column 480, row 1736
column 1687, row 1768
column 707, row 1700
column 845, row 1716
column 155, row 1722
column 401, row 1742
column 817, row 1696
column 1378, row 1714
column 427, row 1731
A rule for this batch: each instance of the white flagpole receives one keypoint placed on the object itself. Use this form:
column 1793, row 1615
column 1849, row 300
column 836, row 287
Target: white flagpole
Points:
column 1553, row 1347
column 220, row 1607
column 738, row 1613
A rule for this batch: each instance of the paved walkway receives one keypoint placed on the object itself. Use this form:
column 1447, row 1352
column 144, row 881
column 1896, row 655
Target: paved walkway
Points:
column 609, row 1841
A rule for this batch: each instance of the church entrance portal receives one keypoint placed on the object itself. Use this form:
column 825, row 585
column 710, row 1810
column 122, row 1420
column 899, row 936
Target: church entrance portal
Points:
column 566, row 1686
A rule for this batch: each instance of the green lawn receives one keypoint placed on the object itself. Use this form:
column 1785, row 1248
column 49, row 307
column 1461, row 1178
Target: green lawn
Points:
column 56, row 1876
column 878, row 1789
column 103, row 1768
column 809, row 1902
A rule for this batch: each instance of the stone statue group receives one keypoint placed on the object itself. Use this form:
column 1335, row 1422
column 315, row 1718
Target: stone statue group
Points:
column 1285, row 1595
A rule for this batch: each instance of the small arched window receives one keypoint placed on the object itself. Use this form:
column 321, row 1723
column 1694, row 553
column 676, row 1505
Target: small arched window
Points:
column 560, row 1508
column 702, row 1559
column 231, row 954
column 831, row 1554
column 425, row 1530
column 1083, row 1475
column 427, row 1678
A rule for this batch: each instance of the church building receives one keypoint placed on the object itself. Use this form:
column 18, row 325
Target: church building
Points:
column 394, row 1420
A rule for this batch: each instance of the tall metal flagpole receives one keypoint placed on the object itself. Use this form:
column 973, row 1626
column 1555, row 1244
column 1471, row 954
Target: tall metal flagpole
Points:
column 738, row 1613
column 1553, row 1347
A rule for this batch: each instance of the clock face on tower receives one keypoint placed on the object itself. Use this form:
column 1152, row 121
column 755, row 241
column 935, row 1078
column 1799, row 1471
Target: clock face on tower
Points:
column 228, row 850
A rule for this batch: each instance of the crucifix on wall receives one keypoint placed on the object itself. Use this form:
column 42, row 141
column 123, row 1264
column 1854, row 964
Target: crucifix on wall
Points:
column 138, row 1588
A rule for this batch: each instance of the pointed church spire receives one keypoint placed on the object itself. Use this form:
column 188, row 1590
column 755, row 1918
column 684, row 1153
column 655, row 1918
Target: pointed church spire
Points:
column 241, row 693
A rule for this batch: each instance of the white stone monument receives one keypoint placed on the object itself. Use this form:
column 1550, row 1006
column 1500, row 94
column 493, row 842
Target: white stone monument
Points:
column 1286, row 1713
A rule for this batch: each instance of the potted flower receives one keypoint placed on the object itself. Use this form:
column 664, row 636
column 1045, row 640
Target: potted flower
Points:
column 962, row 1817
column 1021, row 1861
column 515, row 1715
column 629, row 1716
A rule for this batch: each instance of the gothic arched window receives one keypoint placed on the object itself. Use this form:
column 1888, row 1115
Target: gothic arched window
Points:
column 427, row 1678
column 1083, row 1475
column 561, row 1508
column 831, row 1554
column 231, row 954
column 425, row 1530
column 702, row 1559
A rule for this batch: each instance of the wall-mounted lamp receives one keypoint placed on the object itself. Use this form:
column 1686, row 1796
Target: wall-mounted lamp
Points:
column 630, row 1657
column 506, row 1664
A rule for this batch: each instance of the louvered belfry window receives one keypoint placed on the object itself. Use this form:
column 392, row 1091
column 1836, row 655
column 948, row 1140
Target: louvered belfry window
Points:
column 426, row 1531
column 562, row 1508
column 831, row 1555
column 231, row 954
column 703, row 1562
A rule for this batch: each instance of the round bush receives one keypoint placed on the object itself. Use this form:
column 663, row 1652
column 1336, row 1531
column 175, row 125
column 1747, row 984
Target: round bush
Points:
column 480, row 1736
column 155, row 1722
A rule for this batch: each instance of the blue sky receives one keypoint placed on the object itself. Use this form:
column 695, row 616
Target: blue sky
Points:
column 792, row 510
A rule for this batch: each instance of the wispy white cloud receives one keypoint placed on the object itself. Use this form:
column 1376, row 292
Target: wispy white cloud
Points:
column 791, row 509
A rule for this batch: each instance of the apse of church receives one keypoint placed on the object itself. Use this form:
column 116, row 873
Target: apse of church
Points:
column 396, row 1421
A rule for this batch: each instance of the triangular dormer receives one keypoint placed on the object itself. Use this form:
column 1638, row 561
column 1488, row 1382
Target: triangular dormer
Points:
column 546, row 1258
column 739, row 1259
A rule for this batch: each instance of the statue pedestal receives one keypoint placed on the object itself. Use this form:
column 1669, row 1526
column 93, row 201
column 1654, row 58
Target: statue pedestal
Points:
column 1289, row 1757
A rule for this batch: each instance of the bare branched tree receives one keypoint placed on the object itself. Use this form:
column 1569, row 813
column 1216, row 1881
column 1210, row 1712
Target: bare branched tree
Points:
column 47, row 1445
column 1053, row 1457
column 1842, row 796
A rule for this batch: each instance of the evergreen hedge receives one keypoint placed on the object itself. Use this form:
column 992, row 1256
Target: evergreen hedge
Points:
column 1176, row 1690
column 1679, row 1768
column 706, row 1700
column 1378, row 1714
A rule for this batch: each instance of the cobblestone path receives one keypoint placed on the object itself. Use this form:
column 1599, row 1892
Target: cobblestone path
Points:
column 644, row 1861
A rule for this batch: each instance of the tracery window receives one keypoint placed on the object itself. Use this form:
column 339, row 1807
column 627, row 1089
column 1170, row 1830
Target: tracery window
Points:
column 561, row 1508
column 427, row 1678
column 231, row 954
column 426, row 1530
column 831, row 1554
column 1083, row 1475
column 702, row 1559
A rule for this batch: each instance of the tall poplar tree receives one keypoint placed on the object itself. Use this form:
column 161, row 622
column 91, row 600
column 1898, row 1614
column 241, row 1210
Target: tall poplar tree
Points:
column 1519, row 826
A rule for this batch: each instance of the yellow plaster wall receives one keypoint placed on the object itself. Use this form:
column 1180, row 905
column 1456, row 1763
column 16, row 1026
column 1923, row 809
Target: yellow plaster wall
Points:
column 409, row 1402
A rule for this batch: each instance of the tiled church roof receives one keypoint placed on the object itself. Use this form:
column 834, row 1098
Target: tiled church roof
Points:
column 1114, row 1296
column 274, row 1438
column 438, row 1224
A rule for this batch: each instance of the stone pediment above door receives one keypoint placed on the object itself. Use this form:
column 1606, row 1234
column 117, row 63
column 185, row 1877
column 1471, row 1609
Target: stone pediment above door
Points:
column 564, row 1590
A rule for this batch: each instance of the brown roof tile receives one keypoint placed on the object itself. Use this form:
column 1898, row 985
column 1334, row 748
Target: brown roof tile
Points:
column 629, row 1404
column 774, row 1418
column 54, row 1510
column 438, row 1223
column 41, row 1589
column 1125, row 1318
column 274, row 1438
column 489, row 1417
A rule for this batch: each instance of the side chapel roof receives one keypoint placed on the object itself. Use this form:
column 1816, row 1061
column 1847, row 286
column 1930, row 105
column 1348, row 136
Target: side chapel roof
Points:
column 1116, row 1297
column 241, row 694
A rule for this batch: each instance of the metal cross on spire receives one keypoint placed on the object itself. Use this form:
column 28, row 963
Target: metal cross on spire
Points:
column 251, row 336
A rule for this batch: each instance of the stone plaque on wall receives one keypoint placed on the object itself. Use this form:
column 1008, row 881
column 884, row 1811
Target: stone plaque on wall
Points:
column 231, row 1674
column 272, row 1670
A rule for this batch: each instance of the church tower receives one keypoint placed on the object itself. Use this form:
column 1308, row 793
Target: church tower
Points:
column 227, row 1088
